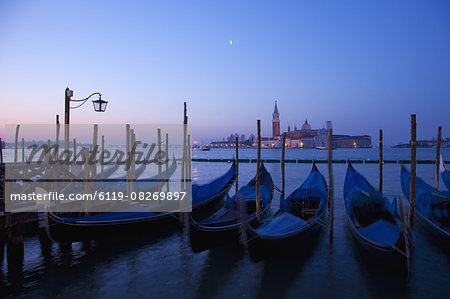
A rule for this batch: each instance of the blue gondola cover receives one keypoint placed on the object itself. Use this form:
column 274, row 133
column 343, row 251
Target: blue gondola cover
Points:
column 283, row 223
column 382, row 232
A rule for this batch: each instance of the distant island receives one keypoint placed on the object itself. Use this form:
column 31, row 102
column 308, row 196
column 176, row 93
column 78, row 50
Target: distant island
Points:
column 445, row 142
column 305, row 137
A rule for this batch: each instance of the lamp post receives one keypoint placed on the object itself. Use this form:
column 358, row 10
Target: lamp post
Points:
column 99, row 104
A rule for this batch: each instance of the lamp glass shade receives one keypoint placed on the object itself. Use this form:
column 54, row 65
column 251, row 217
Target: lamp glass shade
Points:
column 100, row 105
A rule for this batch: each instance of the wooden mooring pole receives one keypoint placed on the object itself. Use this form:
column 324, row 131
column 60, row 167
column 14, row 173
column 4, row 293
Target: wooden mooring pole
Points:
column 405, row 233
column 237, row 164
column 188, row 162
column 127, row 145
column 1, row 151
column 58, row 173
column 330, row 182
column 438, row 155
column 3, row 240
column 103, row 156
column 15, row 247
column 74, row 151
column 58, row 128
column 380, row 163
column 23, row 150
column 183, row 164
column 283, row 148
column 159, row 162
column 44, row 238
column 94, row 157
column 412, row 190
column 15, row 144
column 132, row 160
column 86, row 185
column 24, row 167
column 258, row 166
column 47, row 183
column 167, row 162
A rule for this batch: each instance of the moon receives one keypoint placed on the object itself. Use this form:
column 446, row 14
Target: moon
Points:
column 231, row 42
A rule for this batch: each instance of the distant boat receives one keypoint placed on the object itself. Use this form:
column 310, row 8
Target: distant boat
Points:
column 445, row 173
column 432, row 207
column 300, row 216
column 224, row 226
column 324, row 147
column 204, row 148
column 374, row 220
column 418, row 145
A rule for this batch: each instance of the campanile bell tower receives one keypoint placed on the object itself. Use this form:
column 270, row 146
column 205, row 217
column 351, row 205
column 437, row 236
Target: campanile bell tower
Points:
column 275, row 122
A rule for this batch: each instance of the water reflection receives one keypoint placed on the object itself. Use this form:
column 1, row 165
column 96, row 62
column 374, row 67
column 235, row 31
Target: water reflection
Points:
column 283, row 268
column 217, row 270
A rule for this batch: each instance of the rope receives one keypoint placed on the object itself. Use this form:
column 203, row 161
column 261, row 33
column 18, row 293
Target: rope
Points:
column 267, row 219
column 278, row 189
column 323, row 223
column 174, row 215
column 399, row 250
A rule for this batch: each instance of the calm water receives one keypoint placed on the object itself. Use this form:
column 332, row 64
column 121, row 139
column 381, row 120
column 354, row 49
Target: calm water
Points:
column 162, row 265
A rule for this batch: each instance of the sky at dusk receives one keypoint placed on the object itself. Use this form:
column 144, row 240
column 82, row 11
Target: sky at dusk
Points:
column 365, row 65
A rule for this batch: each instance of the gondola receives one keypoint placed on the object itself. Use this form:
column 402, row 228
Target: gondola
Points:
column 204, row 199
column 224, row 225
column 432, row 207
column 208, row 198
column 445, row 173
column 300, row 216
column 375, row 222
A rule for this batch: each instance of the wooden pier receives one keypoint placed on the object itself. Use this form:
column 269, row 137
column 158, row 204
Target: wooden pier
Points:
column 309, row 161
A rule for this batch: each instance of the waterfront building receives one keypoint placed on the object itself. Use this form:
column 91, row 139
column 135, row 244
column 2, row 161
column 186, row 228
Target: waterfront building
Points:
column 307, row 137
column 275, row 122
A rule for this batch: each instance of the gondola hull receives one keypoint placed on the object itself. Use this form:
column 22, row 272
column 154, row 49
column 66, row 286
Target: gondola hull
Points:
column 70, row 232
column 261, row 247
column 64, row 232
column 207, row 237
column 446, row 178
column 301, row 215
column 425, row 192
column 374, row 221
column 445, row 173
column 386, row 254
column 225, row 225
column 441, row 235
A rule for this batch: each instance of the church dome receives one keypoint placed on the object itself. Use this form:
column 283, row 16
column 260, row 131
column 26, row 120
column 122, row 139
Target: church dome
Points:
column 306, row 126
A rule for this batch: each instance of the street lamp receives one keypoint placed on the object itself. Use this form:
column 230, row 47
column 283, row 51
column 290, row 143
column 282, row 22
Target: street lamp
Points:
column 99, row 104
